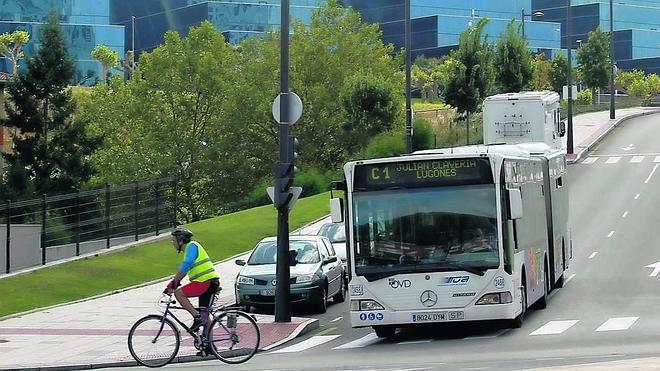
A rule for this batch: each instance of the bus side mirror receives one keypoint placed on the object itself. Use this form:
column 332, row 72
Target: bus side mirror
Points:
column 515, row 204
column 337, row 210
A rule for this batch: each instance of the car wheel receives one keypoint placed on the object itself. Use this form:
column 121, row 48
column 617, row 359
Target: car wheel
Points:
column 385, row 331
column 340, row 296
column 322, row 305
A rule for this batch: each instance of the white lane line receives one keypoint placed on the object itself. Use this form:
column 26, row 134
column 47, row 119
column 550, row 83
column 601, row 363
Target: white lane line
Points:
column 610, row 234
column 364, row 341
column 636, row 196
column 624, row 214
column 636, row 159
column 554, row 327
column 593, row 254
column 591, row 160
column 493, row 336
column 309, row 343
column 414, row 342
column 617, row 324
column 336, row 319
column 652, row 172
column 569, row 278
column 657, row 159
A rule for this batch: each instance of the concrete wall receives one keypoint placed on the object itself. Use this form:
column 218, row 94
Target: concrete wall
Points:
column 68, row 251
column 25, row 246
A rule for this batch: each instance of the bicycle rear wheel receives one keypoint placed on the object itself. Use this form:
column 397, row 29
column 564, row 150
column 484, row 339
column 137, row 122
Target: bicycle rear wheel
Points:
column 234, row 336
column 154, row 341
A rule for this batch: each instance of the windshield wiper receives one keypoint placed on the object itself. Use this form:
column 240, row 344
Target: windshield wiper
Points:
column 479, row 271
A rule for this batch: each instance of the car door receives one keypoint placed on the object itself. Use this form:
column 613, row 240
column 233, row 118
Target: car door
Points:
column 333, row 269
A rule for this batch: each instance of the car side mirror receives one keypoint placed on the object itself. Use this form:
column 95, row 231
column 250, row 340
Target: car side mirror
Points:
column 337, row 210
column 515, row 204
column 240, row 262
column 329, row 260
column 292, row 258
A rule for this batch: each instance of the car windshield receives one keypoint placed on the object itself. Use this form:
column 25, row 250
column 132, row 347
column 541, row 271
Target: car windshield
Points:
column 266, row 252
column 425, row 230
column 334, row 232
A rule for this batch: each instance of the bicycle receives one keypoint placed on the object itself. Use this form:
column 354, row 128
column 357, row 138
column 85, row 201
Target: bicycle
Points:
column 232, row 335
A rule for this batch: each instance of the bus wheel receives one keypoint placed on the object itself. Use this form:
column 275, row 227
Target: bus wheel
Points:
column 542, row 303
column 385, row 331
column 518, row 321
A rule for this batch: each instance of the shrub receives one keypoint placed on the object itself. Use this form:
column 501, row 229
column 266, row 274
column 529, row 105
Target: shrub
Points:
column 312, row 182
column 423, row 135
column 584, row 97
column 386, row 144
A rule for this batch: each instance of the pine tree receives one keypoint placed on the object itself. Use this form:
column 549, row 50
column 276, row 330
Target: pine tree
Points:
column 51, row 148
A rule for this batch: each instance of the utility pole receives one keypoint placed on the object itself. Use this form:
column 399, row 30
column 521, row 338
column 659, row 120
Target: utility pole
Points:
column 282, row 274
column 132, row 44
column 569, row 138
column 408, row 42
column 612, row 108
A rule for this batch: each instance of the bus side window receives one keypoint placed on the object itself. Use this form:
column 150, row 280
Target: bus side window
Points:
column 559, row 182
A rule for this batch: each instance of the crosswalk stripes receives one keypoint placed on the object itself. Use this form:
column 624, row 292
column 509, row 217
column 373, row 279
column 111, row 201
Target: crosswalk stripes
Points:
column 613, row 160
column 364, row 341
column 633, row 159
column 589, row 160
column 617, row 324
column 554, row 327
column 306, row 344
column 636, row 159
column 657, row 159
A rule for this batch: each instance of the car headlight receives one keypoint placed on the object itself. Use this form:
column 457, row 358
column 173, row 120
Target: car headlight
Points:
column 304, row 278
column 245, row 280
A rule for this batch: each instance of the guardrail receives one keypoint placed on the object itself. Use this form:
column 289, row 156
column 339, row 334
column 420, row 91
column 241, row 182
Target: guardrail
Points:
column 37, row 231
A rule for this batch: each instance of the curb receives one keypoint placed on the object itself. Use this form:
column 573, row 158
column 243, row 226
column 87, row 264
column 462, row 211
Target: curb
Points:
column 602, row 135
column 303, row 328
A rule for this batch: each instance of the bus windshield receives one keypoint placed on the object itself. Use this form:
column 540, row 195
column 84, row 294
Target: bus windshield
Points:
column 425, row 230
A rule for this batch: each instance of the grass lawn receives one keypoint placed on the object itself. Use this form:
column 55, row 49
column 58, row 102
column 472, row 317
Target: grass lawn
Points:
column 420, row 105
column 221, row 236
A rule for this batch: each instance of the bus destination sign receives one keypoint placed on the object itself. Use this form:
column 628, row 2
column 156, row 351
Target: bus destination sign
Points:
column 427, row 173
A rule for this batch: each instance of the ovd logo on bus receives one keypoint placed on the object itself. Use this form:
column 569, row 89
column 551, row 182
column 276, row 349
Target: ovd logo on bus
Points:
column 455, row 280
column 371, row 316
column 395, row 284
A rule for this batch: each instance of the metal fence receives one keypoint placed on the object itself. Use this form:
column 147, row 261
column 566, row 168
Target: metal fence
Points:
column 34, row 232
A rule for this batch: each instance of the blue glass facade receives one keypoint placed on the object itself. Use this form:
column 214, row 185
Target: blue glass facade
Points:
column 236, row 19
column 636, row 27
column 437, row 25
column 85, row 24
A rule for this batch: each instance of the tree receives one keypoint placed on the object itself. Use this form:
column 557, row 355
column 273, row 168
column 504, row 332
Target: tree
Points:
column 107, row 57
column 626, row 78
column 559, row 73
column 421, row 79
column 513, row 61
column 11, row 47
column 371, row 108
column 541, row 73
column 473, row 73
column 594, row 60
column 51, row 148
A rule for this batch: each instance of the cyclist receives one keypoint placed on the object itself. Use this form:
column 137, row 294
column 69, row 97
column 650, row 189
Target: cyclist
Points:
column 204, row 280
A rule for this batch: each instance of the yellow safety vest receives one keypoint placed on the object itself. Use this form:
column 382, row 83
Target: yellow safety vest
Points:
column 202, row 269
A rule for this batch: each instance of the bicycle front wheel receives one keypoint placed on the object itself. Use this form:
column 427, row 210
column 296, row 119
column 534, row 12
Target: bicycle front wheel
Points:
column 234, row 337
column 154, row 341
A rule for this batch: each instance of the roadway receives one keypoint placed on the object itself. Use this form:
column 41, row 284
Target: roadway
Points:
column 606, row 312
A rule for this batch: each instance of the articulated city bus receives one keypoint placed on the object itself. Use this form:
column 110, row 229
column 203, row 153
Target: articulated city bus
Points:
column 460, row 234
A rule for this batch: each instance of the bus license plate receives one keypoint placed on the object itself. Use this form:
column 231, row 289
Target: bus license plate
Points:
column 268, row 292
column 438, row 316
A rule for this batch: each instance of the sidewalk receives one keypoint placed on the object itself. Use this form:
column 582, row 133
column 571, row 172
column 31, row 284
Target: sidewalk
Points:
column 93, row 333
column 590, row 128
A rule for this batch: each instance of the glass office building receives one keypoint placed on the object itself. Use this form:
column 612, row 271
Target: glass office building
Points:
column 236, row 19
column 85, row 24
column 636, row 27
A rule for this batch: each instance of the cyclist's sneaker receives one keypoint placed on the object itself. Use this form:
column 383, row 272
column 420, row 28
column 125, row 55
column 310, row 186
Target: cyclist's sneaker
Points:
column 207, row 351
column 197, row 323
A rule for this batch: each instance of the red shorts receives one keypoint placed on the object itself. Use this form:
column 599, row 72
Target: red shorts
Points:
column 195, row 288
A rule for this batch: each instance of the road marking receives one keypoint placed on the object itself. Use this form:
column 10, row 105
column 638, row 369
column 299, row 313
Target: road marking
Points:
column 326, row 331
column 656, row 269
column 415, row 342
column 652, row 171
column 657, row 159
column 624, row 214
column 636, row 159
column 309, row 343
column 569, row 278
column 591, row 160
column 610, row 234
column 593, row 254
column 337, row 319
column 636, row 196
column 613, row 160
column 617, row 324
column 629, row 148
column 493, row 336
column 629, row 154
column 554, row 327
column 364, row 341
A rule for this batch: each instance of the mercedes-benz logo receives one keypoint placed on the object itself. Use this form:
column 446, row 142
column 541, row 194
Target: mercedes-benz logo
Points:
column 428, row 298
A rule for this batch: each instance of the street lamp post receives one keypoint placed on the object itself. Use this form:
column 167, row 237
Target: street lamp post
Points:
column 408, row 42
column 530, row 15
column 612, row 108
column 132, row 44
column 569, row 138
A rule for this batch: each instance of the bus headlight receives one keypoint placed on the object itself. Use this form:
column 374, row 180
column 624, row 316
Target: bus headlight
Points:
column 495, row 298
column 365, row 305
